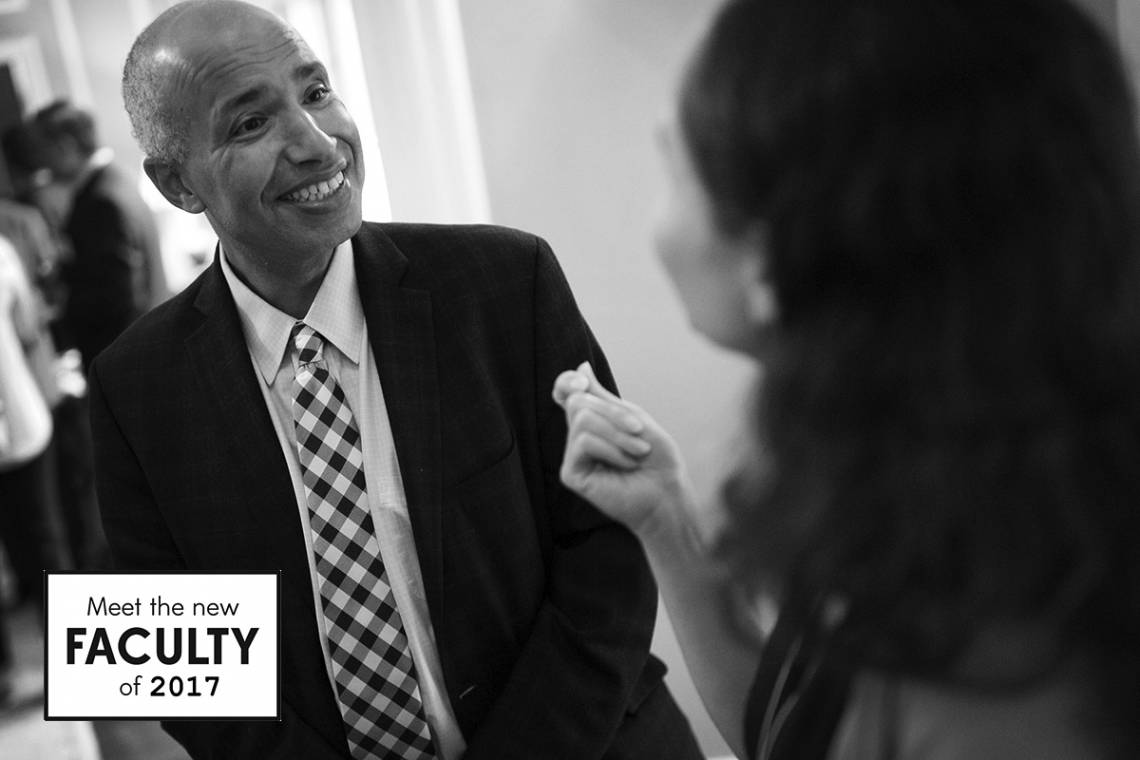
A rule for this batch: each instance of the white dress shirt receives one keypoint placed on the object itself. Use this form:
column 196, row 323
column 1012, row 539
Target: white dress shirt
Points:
column 336, row 314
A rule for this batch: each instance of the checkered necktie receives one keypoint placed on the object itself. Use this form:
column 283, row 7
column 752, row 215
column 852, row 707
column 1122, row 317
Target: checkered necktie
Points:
column 379, row 697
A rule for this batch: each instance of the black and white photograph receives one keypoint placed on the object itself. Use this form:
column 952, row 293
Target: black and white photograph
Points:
column 569, row 380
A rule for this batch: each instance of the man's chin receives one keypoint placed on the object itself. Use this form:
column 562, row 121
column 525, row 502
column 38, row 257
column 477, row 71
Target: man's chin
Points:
column 321, row 233
column 350, row 229
column 332, row 240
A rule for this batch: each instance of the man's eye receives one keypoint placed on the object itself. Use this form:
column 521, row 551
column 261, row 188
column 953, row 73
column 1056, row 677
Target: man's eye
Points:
column 251, row 124
column 317, row 94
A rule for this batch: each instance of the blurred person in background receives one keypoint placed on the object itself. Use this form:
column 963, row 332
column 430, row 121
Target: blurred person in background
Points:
column 30, row 237
column 114, row 273
column 30, row 529
column 923, row 221
column 109, row 273
column 33, row 216
column 59, row 376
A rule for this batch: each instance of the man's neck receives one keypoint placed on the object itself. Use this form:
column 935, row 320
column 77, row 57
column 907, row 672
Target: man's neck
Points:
column 292, row 293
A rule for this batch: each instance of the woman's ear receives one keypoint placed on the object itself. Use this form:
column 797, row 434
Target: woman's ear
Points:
column 167, row 177
column 759, row 294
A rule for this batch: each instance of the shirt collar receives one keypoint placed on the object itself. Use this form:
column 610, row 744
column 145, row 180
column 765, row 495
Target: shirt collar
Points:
column 335, row 313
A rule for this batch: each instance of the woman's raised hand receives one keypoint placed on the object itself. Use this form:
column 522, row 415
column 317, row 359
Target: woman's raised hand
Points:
column 618, row 457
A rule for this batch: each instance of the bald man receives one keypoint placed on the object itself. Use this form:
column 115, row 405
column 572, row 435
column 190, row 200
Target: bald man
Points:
column 423, row 528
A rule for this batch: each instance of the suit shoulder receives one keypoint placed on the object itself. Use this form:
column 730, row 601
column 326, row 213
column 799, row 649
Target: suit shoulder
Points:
column 155, row 333
column 463, row 248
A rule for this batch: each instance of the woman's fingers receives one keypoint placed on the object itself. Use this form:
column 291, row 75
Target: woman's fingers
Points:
column 586, row 452
column 587, row 414
column 617, row 457
column 570, row 381
column 602, row 429
column 617, row 411
column 595, row 387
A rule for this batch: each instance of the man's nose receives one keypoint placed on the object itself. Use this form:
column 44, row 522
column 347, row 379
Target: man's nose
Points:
column 305, row 139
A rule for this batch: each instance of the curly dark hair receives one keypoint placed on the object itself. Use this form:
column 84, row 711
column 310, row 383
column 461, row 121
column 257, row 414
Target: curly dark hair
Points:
column 950, row 411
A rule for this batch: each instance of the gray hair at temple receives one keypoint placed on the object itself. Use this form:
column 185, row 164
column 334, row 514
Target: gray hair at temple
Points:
column 145, row 88
column 160, row 132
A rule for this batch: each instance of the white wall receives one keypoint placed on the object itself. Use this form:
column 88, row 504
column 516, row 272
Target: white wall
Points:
column 567, row 93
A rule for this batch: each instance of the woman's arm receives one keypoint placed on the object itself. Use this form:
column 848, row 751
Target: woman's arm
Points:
column 621, row 460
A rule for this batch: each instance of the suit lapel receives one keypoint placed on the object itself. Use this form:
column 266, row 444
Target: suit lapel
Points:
column 219, row 356
column 402, row 337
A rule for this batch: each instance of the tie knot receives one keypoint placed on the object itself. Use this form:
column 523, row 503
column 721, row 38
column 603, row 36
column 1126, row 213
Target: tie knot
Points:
column 308, row 342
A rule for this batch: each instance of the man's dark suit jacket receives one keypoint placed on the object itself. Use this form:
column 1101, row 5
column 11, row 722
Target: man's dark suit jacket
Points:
column 110, row 278
column 542, row 608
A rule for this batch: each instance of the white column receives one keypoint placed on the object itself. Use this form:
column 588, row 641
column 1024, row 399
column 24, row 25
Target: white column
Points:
column 422, row 106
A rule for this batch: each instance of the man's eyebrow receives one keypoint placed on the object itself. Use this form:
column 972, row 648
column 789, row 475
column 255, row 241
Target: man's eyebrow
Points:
column 241, row 99
column 307, row 70
column 253, row 94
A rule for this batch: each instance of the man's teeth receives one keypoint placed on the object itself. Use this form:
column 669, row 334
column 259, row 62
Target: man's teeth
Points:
column 317, row 191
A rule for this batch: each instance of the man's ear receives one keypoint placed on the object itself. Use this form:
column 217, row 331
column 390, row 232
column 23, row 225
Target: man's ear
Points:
column 167, row 177
column 759, row 293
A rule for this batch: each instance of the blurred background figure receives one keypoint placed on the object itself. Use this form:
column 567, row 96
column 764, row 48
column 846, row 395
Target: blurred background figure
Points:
column 98, row 267
column 59, row 375
column 115, row 271
column 923, row 221
column 30, row 530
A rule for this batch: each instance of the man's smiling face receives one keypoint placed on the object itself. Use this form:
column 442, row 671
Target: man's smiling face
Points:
column 274, row 159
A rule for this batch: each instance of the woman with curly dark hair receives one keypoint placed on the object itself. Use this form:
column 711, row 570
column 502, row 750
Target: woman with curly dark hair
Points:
column 923, row 220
